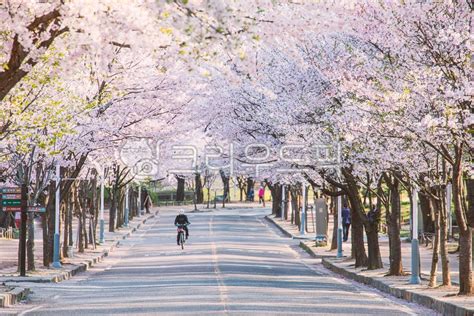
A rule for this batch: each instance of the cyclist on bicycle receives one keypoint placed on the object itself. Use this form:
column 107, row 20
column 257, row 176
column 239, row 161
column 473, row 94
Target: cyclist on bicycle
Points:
column 182, row 220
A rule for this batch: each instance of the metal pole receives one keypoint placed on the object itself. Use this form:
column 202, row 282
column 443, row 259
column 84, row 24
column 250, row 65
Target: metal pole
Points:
column 139, row 199
column 127, row 206
column 449, row 193
column 339, row 226
column 415, row 264
column 283, row 202
column 303, row 212
column 56, row 263
column 339, row 209
column 102, row 224
column 24, row 217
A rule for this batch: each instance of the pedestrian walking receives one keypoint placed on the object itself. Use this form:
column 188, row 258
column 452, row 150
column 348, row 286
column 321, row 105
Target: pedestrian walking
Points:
column 261, row 194
column 251, row 195
column 147, row 203
column 346, row 222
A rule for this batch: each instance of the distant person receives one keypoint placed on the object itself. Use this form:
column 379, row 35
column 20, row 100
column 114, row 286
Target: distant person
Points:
column 251, row 195
column 346, row 222
column 182, row 220
column 147, row 203
column 261, row 194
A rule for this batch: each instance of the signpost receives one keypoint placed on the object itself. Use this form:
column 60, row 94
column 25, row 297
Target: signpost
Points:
column 37, row 209
column 15, row 199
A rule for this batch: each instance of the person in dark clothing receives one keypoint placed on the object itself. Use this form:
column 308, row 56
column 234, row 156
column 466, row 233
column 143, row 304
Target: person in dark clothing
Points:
column 346, row 222
column 182, row 220
column 147, row 202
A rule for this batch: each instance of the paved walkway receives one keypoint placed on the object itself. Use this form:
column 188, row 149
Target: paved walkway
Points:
column 9, row 249
column 443, row 299
column 425, row 252
column 234, row 263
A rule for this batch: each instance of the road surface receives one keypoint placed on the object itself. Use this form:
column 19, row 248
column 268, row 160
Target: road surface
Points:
column 234, row 263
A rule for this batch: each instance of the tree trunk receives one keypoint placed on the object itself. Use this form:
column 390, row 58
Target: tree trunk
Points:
column 250, row 185
column 69, row 223
column 465, row 232
column 357, row 236
column 286, row 204
column 375, row 260
column 291, row 204
column 79, row 213
column 66, row 227
column 427, row 212
column 443, row 236
column 85, row 208
column 225, row 182
column 332, row 207
column 359, row 217
column 135, row 202
column 295, row 205
column 120, row 208
column 208, row 196
column 80, row 241
column 113, row 210
column 470, row 201
column 275, row 190
column 180, row 189
column 393, row 223
column 435, row 257
column 199, row 191
column 30, row 244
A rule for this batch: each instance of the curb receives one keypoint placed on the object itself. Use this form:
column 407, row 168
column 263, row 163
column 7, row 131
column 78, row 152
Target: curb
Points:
column 445, row 308
column 281, row 229
column 18, row 293
column 287, row 234
column 410, row 296
column 13, row 296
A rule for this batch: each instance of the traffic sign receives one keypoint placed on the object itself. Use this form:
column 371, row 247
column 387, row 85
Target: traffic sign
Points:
column 11, row 202
column 10, row 196
column 37, row 209
column 11, row 199
column 16, row 190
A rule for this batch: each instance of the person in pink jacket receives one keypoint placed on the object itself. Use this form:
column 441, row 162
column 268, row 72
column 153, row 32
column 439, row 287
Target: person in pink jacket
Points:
column 261, row 194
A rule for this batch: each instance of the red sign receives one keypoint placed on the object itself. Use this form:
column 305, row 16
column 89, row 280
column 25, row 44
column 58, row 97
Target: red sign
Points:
column 12, row 208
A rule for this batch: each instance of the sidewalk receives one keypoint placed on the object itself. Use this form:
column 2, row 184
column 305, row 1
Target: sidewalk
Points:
column 443, row 300
column 11, row 292
column 425, row 252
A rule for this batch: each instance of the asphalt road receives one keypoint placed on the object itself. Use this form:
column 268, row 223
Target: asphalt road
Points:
column 234, row 263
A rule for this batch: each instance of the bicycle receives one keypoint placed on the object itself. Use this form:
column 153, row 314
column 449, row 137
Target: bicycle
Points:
column 181, row 235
